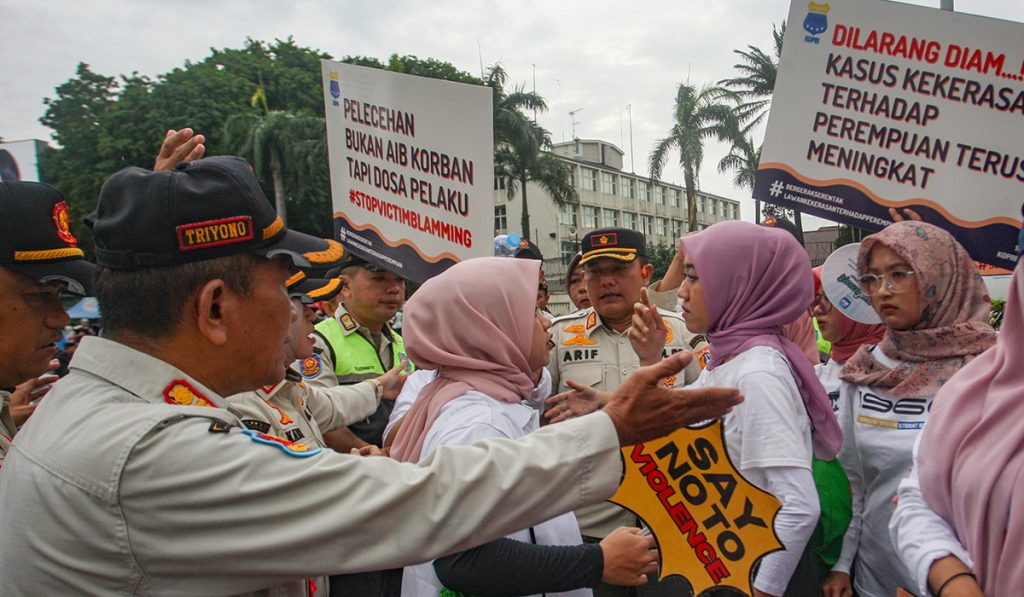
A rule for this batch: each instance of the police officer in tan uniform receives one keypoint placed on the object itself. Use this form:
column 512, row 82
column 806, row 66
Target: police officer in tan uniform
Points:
column 172, row 495
column 592, row 346
column 40, row 265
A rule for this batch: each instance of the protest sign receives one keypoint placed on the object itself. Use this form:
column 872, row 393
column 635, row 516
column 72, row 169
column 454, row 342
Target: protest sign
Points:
column 882, row 104
column 711, row 524
column 412, row 168
column 19, row 161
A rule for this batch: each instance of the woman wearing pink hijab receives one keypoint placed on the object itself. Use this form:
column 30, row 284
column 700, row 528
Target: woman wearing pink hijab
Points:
column 930, row 297
column 959, row 524
column 477, row 324
column 742, row 284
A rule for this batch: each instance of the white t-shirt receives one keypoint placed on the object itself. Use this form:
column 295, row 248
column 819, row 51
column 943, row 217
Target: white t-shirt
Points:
column 768, row 437
column 828, row 375
column 466, row 420
column 879, row 431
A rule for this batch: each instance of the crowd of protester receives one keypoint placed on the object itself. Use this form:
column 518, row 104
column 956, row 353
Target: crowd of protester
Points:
column 468, row 449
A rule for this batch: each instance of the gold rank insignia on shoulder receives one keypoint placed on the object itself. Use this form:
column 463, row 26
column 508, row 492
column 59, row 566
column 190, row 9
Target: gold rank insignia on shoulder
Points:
column 347, row 322
column 592, row 319
column 181, row 393
column 697, row 340
column 579, row 340
column 575, row 329
column 289, row 448
column 669, row 336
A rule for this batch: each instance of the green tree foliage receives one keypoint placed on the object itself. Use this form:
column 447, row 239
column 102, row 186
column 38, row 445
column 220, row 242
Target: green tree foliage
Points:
column 697, row 115
column 660, row 256
column 520, row 144
column 756, row 80
column 103, row 124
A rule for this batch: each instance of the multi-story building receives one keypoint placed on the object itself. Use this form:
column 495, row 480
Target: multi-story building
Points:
column 607, row 197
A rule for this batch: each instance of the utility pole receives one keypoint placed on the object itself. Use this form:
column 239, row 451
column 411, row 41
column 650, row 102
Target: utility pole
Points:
column 572, row 117
column 632, row 164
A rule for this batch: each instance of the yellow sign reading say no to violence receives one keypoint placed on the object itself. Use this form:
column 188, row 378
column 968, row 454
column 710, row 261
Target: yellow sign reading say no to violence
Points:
column 711, row 524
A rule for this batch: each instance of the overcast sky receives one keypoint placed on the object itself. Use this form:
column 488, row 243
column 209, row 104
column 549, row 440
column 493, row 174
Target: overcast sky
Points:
column 596, row 56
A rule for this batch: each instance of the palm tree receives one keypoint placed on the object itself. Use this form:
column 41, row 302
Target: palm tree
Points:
column 278, row 144
column 520, row 144
column 743, row 159
column 698, row 115
column 756, row 82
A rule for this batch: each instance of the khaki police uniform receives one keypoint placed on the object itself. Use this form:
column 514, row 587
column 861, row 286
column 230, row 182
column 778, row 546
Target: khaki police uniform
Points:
column 590, row 353
column 294, row 410
column 134, row 478
column 7, row 426
column 347, row 354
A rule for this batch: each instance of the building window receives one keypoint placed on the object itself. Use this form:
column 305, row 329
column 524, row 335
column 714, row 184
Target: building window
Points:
column 700, row 204
column 629, row 188
column 589, row 179
column 676, row 197
column 645, row 225
column 500, row 219
column 677, row 228
column 661, row 195
column 589, row 217
column 662, row 226
column 608, row 186
column 569, row 249
column 629, row 220
column 499, row 183
column 567, row 215
column 611, row 218
column 645, row 191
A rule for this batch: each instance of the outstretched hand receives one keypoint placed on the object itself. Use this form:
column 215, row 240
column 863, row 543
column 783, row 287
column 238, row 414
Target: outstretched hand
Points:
column 26, row 396
column 578, row 401
column 648, row 332
column 393, row 381
column 643, row 409
column 910, row 214
column 629, row 557
column 179, row 146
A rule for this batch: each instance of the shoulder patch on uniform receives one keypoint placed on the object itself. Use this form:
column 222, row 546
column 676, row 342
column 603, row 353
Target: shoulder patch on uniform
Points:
column 703, row 356
column 256, row 425
column 289, row 448
column 181, row 393
column 218, row 426
column 311, row 367
column 669, row 335
column 697, row 339
column 592, row 319
column 347, row 322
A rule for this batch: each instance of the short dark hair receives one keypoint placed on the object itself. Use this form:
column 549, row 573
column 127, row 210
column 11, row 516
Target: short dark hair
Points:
column 151, row 301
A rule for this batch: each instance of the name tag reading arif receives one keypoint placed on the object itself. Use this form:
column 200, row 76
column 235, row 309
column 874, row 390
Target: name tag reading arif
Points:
column 711, row 524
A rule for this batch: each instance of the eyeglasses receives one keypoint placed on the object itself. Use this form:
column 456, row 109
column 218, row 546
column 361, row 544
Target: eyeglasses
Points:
column 896, row 282
column 821, row 304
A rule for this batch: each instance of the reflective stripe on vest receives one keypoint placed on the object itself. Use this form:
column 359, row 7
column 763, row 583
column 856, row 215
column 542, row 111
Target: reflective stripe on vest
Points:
column 355, row 357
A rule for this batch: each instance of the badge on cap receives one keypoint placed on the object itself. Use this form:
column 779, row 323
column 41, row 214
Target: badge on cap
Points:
column 62, row 220
column 311, row 367
column 214, row 233
column 181, row 393
column 606, row 240
column 289, row 448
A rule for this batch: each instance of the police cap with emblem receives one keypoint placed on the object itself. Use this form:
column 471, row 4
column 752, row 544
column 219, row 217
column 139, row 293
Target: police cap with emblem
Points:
column 36, row 238
column 528, row 250
column 617, row 243
column 311, row 290
column 200, row 210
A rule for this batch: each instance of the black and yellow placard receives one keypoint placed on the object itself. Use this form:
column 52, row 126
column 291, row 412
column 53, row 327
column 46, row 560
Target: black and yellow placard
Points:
column 711, row 524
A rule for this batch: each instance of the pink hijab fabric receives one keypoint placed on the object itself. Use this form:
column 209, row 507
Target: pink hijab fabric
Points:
column 755, row 281
column 954, row 314
column 971, row 458
column 474, row 325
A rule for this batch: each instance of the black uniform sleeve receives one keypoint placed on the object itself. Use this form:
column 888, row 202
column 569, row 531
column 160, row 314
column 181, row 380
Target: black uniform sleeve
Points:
column 505, row 567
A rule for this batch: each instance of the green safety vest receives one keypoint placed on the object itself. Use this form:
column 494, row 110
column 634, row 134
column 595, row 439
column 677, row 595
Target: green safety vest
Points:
column 355, row 358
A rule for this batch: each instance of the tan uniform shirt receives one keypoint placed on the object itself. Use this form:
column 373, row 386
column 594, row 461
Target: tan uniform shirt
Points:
column 590, row 353
column 7, row 426
column 294, row 410
column 135, row 479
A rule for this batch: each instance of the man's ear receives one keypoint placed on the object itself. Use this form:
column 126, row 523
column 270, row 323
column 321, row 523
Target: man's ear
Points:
column 647, row 271
column 346, row 289
column 211, row 301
